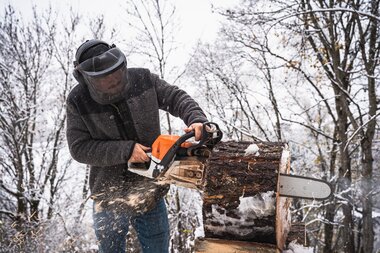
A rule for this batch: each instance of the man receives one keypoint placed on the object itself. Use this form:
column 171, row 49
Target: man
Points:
column 112, row 120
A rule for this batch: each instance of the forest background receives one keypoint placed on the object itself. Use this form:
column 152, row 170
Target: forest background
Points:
column 299, row 71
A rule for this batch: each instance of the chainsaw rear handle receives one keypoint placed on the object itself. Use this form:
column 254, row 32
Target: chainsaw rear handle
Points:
column 208, row 130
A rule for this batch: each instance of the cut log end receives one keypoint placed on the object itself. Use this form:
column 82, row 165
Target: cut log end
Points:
column 283, row 217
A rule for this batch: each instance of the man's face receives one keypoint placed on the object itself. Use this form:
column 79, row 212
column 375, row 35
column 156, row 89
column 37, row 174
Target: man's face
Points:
column 110, row 84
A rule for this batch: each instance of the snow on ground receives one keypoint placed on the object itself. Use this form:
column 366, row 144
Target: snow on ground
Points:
column 297, row 248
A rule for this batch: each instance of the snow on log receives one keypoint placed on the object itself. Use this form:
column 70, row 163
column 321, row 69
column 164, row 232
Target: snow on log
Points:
column 240, row 199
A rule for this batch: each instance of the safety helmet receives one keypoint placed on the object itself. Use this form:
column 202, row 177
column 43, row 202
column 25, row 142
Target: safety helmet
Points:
column 104, row 69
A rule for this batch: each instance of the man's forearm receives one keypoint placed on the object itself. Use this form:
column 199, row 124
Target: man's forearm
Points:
column 101, row 152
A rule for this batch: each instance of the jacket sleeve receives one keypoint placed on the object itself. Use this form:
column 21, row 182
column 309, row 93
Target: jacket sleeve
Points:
column 177, row 102
column 84, row 149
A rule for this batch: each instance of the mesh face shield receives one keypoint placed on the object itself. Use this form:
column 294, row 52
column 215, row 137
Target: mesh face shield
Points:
column 106, row 76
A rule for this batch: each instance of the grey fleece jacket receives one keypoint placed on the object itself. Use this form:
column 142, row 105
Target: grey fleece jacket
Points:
column 103, row 136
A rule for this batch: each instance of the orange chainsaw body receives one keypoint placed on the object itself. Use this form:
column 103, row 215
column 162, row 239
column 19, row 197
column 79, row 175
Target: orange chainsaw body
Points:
column 164, row 142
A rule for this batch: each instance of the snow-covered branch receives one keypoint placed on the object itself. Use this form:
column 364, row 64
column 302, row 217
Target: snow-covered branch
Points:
column 361, row 13
column 360, row 128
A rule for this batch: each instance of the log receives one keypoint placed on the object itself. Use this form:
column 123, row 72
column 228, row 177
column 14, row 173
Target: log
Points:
column 240, row 199
column 228, row 246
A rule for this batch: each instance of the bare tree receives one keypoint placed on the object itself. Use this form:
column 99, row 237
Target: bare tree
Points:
column 233, row 89
column 154, row 22
column 329, row 49
column 32, row 124
column 342, row 36
column 64, row 53
column 99, row 29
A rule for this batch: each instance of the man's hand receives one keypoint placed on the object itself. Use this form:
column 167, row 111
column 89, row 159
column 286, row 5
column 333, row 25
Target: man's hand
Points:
column 197, row 128
column 139, row 154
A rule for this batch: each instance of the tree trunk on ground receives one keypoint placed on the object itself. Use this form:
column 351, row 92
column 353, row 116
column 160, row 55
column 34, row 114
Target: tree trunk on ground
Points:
column 240, row 193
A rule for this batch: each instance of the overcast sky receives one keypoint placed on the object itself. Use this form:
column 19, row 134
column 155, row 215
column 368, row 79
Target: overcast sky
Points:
column 196, row 16
column 196, row 19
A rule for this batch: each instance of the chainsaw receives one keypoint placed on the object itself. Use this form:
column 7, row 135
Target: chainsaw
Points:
column 176, row 160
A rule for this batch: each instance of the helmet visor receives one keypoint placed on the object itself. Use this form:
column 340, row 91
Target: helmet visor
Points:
column 106, row 73
column 113, row 83
column 102, row 64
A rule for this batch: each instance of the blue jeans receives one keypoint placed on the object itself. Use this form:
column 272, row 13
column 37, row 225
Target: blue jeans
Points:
column 152, row 230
